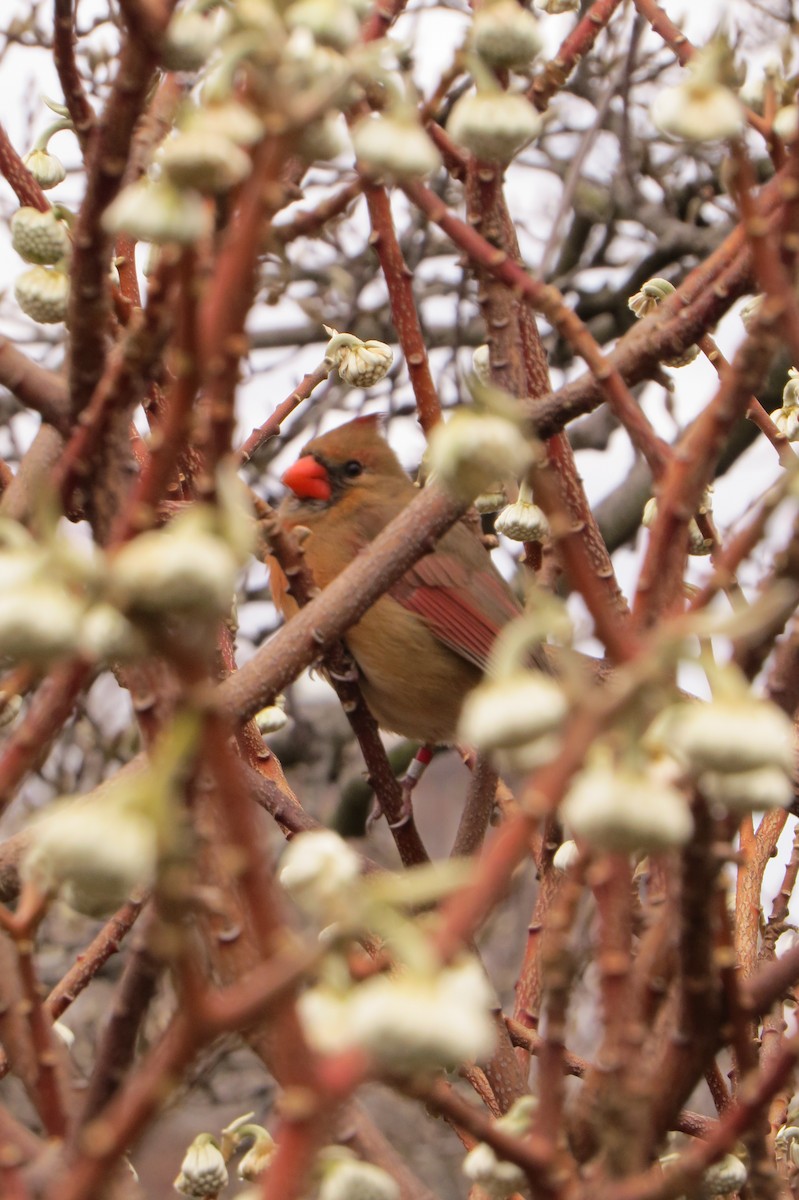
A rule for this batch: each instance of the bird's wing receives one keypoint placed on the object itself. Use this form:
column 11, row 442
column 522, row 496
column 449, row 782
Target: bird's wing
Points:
column 464, row 607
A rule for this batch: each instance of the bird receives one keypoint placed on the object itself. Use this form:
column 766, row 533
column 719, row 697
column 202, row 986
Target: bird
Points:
column 425, row 643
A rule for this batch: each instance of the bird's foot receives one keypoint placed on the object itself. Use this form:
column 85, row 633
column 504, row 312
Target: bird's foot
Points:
column 415, row 771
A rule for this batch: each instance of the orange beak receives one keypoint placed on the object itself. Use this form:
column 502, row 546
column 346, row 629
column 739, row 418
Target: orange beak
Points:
column 308, row 479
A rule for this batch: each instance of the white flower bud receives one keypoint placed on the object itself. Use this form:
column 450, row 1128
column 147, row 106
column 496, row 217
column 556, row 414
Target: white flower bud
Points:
column 257, row 1159
column 39, row 621
column 159, row 213
column 727, row 1175
column 410, row 1022
column 332, row 22
column 786, row 122
column 493, row 126
column 10, row 706
column 205, row 161
column 322, row 140
column 180, row 567
column 701, row 108
column 43, row 294
column 203, row 1172
column 566, row 856
column 272, row 718
column 698, row 544
column 523, row 521
column 518, row 715
column 787, row 422
column 351, row 1179
column 227, row 119
column 727, row 735
column 646, row 301
column 790, row 393
column 94, row 851
column 326, row 1016
column 505, row 34
column 105, row 635
column 689, row 355
column 748, row 791
column 481, row 362
column 39, row 237
column 495, row 1176
column 394, row 145
column 361, row 364
column 189, row 39
column 750, row 310
column 318, row 869
column 554, row 7
column 46, row 169
column 621, row 809
column 491, row 500
column 471, row 450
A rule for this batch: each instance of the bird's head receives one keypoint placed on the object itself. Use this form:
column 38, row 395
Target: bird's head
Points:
column 353, row 459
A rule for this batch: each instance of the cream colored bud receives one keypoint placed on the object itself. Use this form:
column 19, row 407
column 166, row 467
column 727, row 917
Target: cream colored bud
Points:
column 619, row 808
column 750, row 311
column 46, row 169
column 159, row 213
column 787, row 422
column 698, row 544
column 493, row 126
column 176, row 568
column 786, row 122
column 204, row 161
column 491, row 500
column 272, row 718
column 189, row 39
column 748, row 791
column 43, row 294
column 472, row 449
column 203, row 1172
column 555, row 7
column 646, row 301
column 351, row 1179
column 322, row 140
column 411, row 1021
column 361, row 364
column 326, row 1016
column 228, row 119
column 730, row 734
column 107, row 636
column 512, row 713
column 332, row 22
column 505, row 34
column 94, row 851
column 689, row 355
column 39, row 621
column 481, row 361
column 257, row 1159
column 523, row 521
column 566, row 856
column 702, row 108
column 727, row 1175
column 39, row 237
column 319, row 869
column 496, row 1177
column 395, row 146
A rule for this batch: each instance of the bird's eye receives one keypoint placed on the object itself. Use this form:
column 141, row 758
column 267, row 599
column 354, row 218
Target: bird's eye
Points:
column 353, row 468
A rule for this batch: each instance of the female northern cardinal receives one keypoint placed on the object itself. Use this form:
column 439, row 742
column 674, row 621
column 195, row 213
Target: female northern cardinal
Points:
column 425, row 643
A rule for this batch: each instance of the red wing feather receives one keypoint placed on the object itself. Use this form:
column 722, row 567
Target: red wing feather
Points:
column 464, row 609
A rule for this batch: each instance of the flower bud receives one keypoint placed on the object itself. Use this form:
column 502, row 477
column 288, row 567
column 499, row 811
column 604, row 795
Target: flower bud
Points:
column 361, row 364
column 39, row 237
column 318, row 868
column 518, row 715
column 93, row 850
column 496, row 1177
column 554, row 7
column 181, row 568
column 493, row 126
column 394, row 145
column 786, row 122
column 748, row 791
column 159, row 213
column 272, row 718
column 350, row 1179
column 412, row 1021
column 491, row 500
column 652, row 292
column 750, row 310
column 332, row 22
column 39, row 621
column 790, row 393
column 566, row 856
column 227, row 119
column 189, row 39
column 787, row 422
column 702, row 108
column 727, row 1175
column 472, row 449
column 481, row 363
column 43, row 294
column 698, row 544
column 106, row 636
column 730, row 734
column 204, row 161
column 46, row 169
column 203, row 1172
column 257, row 1159
column 505, row 34
column 523, row 521
column 620, row 808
